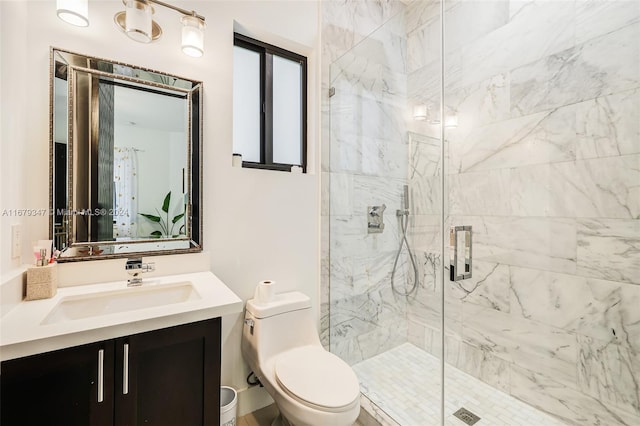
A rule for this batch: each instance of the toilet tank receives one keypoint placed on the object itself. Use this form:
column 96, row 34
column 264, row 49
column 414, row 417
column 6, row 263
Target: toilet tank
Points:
column 284, row 323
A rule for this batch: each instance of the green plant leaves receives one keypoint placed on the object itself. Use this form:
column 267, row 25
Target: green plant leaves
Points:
column 166, row 202
column 151, row 217
column 177, row 218
column 165, row 231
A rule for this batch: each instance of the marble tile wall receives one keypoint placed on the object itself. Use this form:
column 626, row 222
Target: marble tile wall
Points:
column 364, row 163
column 545, row 165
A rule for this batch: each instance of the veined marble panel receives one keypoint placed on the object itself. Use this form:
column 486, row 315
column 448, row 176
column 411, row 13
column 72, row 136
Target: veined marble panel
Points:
column 609, row 249
column 479, row 104
column 367, row 155
column 346, row 23
column 424, row 45
column 382, row 157
column 426, row 308
column 598, row 17
column 609, row 126
column 363, row 313
column 480, row 193
column 539, row 138
column 601, row 187
column 357, row 115
column 428, row 269
column 424, row 158
column 374, row 272
column 599, row 67
column 324, row 325
column 427, row 199
column 349, row 238
column 424, row 83
column 424, row 233
column 363, row 346
column 466, row 21
column 368, row 77
column 325, row 188
column 537, row 29
column 477, row 362
column 596, row 308
column 418, row 13
column 570, row 405
column 528, row 344
column 376, row 190
column 609, row 370
column 488, row 286
column 340, row 193
column 541, row 243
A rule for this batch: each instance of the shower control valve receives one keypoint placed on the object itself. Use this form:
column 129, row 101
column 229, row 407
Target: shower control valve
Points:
column 375, row 222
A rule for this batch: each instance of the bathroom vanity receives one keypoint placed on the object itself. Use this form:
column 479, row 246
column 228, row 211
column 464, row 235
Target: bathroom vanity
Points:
column 94, row 355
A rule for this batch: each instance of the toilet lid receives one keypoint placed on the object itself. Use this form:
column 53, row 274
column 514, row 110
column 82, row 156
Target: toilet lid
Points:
column 318, row 377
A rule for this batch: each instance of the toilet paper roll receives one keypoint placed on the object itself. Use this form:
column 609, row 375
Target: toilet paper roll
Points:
column 264, row 291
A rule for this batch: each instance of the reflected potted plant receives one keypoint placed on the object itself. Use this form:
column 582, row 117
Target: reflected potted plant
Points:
column 166, row 226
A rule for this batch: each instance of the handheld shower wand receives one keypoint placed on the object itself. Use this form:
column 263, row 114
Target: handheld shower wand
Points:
column 403, row 218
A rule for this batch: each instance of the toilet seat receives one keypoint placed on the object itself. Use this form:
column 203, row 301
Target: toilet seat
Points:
column 317, row 378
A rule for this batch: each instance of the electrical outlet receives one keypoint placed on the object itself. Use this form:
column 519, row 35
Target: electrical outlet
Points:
column 16, row 240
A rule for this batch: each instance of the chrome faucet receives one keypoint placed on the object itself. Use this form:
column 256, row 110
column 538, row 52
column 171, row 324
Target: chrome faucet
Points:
column 135, row 267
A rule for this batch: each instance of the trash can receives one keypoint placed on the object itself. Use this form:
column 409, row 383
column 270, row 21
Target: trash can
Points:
column 228, row 406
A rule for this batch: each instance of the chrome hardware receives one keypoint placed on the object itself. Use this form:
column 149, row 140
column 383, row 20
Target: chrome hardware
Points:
column 250, row 323
column 101, row 375
column 375, row 223
column 453, row 252
column 135, row 267
column 125, row 370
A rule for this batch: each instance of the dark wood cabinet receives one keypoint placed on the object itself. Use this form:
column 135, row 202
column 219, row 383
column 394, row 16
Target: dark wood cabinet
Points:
column 163, row 377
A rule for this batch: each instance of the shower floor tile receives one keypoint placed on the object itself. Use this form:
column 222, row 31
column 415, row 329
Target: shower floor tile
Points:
column 405, row 383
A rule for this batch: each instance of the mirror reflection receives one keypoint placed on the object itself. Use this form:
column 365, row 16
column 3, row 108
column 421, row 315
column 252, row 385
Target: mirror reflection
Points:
column 125, row 154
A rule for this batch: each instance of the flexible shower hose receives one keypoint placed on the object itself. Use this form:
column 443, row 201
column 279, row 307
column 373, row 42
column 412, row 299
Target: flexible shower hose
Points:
column 404, row 221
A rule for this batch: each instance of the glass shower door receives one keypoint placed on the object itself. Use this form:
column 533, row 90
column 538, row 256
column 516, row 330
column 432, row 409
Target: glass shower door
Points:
column 542, row 141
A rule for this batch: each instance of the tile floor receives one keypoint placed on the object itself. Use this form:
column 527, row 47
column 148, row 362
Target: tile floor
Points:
column 405, row 383
column 264, row 417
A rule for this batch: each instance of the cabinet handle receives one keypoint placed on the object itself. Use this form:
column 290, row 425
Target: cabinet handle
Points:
column 125, row 370
column 101, row 375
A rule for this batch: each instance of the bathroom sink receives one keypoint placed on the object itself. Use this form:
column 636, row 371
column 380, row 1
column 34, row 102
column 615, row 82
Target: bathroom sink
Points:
column 117, row 301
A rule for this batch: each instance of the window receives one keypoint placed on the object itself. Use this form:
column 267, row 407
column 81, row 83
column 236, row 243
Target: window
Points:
column 269, row 105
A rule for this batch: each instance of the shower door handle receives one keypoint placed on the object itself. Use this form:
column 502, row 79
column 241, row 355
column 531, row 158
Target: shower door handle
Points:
column 454, row 270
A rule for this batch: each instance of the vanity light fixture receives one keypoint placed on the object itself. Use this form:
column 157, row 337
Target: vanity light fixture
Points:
column 192, row 35
column 137, row 22
column 74, row 12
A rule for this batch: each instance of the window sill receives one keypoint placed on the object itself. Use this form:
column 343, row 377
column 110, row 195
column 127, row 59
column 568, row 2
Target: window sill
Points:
column 277, row 167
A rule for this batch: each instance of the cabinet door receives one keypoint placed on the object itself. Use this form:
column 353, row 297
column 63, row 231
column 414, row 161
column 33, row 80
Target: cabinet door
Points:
column 67, row 387
column 169, row 376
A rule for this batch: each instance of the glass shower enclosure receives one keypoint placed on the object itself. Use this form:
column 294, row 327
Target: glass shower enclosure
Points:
column 502, row 137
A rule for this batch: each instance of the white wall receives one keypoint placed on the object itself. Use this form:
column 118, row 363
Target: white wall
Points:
column 257, row 224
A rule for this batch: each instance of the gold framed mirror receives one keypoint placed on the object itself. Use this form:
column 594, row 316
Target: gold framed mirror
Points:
column 125, row 159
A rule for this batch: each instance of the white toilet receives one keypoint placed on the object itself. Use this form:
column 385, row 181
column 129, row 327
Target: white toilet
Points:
column 309, row 385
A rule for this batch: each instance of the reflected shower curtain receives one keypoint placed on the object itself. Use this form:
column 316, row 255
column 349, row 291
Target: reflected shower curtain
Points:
column 125, row 178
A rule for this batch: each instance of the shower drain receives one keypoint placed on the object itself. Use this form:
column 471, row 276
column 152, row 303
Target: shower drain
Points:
column 466, row 416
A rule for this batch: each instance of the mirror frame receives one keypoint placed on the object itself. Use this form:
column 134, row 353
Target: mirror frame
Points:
column 100, row 250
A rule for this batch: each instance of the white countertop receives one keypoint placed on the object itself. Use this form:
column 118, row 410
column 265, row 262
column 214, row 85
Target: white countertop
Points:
column 23, row 333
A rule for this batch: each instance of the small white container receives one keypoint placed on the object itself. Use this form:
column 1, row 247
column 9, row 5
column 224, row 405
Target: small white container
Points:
column 228, row 406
